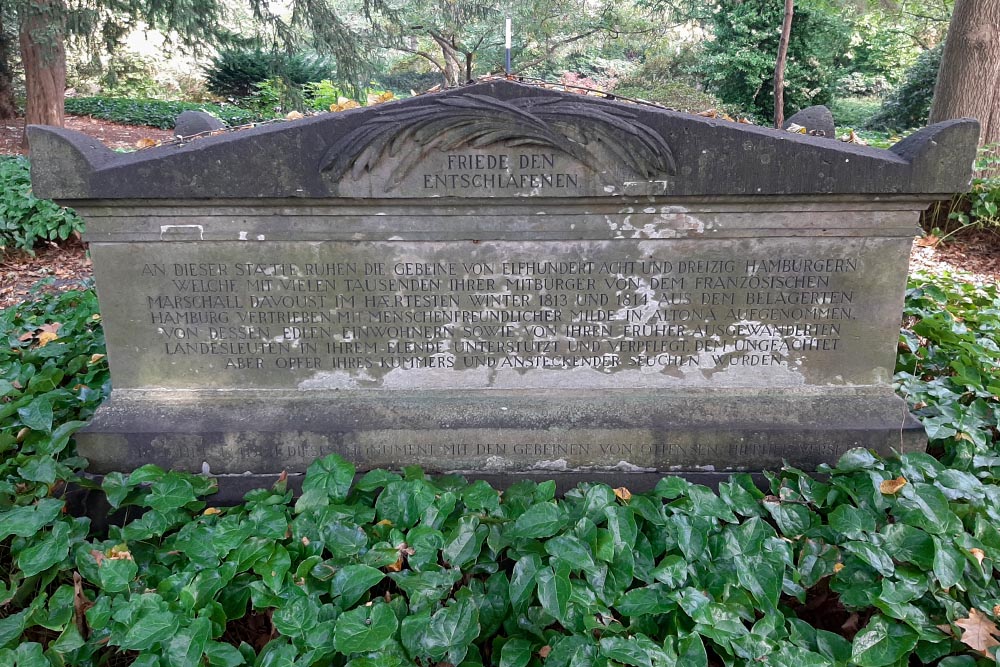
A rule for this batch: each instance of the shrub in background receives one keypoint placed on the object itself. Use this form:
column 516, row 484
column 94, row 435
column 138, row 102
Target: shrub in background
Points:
column 241, row 74
column 26, row 220
column 854, row 112
column 667, row 78
column 739, row 62
column 909, row 104
column 979, row 208
column 125, row 73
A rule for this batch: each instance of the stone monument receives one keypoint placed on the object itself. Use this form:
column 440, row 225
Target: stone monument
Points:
column 504, row 281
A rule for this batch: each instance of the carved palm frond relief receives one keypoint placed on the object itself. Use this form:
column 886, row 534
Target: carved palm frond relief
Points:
column 597, row 136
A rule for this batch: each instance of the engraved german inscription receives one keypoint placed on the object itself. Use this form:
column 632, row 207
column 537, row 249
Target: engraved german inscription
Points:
column 365, row 312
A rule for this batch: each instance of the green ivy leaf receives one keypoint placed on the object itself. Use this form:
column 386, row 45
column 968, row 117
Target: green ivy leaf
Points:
column 949, row 564
column 793, row 519
column 874, row 556
column 37, row 415
column 220, row 654
column 187, row 646
column 538, row 521
column 171, row 492
column 464, row 543
column 451, row 630
column 353, row 581
column 404, row 501
column 882, row 642
column 522, row 581
column 570, row 549
column 27, row 520
column 554, row 590
column 29, row 654
column 117, row 574
column 516, row 652
column 672, row 571
column 691, row 651
column 330, row 476
column 626, row 651
column 150, row 626
column 481, row 497
column 39, row 469
column 648, row 600
column 925, row 506
column 12, row 626
column 364, row 629
column 296, row 618
column 852, row 522
column 46, row 551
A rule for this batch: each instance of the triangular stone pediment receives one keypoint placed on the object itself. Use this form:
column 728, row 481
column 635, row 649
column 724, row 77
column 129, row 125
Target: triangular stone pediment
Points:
column 502, row 139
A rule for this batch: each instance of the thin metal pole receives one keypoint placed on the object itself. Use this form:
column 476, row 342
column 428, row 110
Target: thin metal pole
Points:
column 507, row 44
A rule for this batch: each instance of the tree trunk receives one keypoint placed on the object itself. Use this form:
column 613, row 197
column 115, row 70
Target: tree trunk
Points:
column 43, row 55
column 454, row 63
column 779, row 66
column 968, row 83
column 8, row 109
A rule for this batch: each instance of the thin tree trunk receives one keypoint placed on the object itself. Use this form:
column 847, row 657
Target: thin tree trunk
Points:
column 453, row 64
column 8, row 109
column 968, row 83
column 43, row 55
column 779, row 66
column 468, row 66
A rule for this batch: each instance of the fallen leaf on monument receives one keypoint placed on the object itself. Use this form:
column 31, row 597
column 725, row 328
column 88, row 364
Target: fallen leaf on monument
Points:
column 378, row 98
column 343, row 104
column 978, row 632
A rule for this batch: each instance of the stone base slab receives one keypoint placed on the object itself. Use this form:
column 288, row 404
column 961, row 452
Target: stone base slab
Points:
column 500, row 435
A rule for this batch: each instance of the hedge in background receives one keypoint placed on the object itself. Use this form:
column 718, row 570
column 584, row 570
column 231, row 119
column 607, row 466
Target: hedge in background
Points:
column 155, row 113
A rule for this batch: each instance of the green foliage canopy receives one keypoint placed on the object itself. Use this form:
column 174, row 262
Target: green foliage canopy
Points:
column 739, row 62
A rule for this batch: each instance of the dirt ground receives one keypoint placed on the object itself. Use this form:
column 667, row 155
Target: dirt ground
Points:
column 976, row 254
column 112, row 134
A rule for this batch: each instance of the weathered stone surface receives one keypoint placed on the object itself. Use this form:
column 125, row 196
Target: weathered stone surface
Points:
column 817, row 120
column 505, row 281
column 190, row 123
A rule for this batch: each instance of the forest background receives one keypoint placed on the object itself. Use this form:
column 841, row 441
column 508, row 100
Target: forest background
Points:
column 874, row 62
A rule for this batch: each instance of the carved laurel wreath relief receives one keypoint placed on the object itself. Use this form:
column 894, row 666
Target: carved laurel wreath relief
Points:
column 600, row 137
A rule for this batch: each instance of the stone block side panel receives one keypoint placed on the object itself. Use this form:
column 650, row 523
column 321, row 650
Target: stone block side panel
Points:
column 506, row 433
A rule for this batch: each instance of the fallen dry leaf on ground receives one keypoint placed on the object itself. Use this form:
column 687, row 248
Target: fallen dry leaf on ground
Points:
column 978, row 632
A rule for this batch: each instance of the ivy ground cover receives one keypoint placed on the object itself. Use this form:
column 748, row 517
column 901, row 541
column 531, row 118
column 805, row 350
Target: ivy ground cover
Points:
column 873, row 562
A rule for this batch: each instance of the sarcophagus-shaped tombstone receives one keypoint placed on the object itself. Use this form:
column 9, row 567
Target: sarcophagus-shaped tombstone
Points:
column 505, row 281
